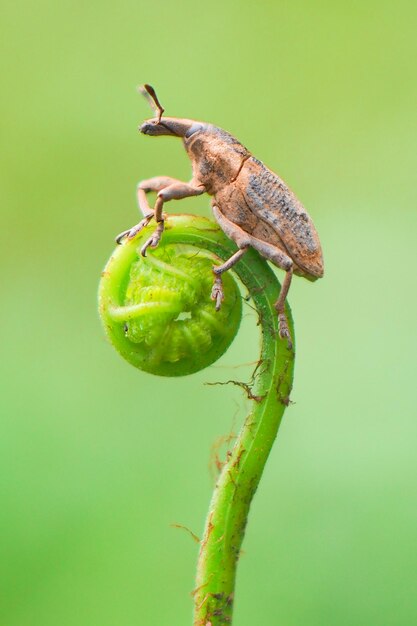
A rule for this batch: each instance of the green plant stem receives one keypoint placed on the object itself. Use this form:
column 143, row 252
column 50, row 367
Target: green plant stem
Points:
column 269, row 394
column 240, row 476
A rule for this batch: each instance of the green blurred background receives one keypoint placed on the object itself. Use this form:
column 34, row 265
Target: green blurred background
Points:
column 98, row 459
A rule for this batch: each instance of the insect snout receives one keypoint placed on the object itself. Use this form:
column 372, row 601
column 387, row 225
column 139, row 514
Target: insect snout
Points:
column 149, row 127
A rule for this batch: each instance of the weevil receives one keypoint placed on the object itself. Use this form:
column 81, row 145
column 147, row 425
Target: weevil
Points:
column 252, row 205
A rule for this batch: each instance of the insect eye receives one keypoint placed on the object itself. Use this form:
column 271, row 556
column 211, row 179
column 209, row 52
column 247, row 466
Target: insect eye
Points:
column 193, row 129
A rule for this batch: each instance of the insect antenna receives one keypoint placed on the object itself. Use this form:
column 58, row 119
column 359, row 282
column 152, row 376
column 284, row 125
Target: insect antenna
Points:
column 149, row 92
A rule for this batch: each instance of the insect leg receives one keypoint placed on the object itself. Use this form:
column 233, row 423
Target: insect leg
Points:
column 151, row 184
column 241, row 239
column 174, row 191
column 143, row 187
column 284, row 331
column 217, row 292
column 270, row 252
column 284, row 262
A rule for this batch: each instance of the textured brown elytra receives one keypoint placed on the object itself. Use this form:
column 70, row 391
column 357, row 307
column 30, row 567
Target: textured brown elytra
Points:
column 252, row 205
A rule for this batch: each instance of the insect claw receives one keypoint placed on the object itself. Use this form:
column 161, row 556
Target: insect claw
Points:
column 284, row 331
column 154, row 240
column 121, row 236
column 217, row 293
column 289, row 342
column 145, row 247
column 130, row 233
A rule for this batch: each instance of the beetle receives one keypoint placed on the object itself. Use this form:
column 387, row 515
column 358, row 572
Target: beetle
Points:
column 252, row 205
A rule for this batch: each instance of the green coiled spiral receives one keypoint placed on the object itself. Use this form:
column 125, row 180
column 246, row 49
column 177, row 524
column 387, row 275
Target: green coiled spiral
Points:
column 157, row 310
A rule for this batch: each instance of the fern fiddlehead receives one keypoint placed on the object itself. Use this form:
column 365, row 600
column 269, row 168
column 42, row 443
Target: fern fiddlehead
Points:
column 158, row 314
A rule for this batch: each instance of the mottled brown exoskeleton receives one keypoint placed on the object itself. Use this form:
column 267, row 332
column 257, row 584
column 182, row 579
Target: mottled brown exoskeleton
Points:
column 252, row 205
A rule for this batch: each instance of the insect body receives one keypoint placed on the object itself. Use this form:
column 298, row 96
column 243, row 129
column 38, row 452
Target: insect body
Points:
column 252, row 205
